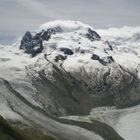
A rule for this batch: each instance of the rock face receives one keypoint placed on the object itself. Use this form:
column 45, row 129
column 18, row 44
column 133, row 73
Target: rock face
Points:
column 103, row 61
column 92, row 35
column 32, row 44
column 67, row 51
column 60, row 57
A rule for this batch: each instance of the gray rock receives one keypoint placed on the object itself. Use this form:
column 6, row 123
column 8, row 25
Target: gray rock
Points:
column 33, row 44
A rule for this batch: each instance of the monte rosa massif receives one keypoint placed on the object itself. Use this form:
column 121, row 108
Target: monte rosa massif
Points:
column 68, row 81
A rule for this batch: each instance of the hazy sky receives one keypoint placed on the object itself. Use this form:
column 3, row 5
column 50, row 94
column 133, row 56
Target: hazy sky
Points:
column 18, row 16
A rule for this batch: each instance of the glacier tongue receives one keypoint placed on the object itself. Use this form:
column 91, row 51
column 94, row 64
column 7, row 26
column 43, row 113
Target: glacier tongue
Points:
column 125, row 121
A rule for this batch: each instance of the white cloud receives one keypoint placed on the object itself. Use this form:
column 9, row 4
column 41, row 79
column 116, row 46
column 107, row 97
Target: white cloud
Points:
column 17, row 16
column 36, row 7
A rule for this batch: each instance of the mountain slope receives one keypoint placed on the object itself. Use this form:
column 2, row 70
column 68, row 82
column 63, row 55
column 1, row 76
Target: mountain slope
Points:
column 66, row 68
column 75, row 53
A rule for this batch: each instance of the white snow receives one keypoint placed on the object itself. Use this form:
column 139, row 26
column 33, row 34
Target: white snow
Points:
column 125, row 31
column 126, row 53
column 66, row 25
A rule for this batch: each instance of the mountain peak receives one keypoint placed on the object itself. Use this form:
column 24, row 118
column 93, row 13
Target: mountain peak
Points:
column 33, row 44
column 66, row 25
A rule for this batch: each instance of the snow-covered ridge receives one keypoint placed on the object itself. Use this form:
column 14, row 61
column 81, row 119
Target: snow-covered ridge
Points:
column 70, row 39
column 72, row 31
column 66, row 26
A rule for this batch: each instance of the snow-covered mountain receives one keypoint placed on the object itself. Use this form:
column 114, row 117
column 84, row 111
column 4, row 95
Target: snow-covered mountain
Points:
column 68, row 68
